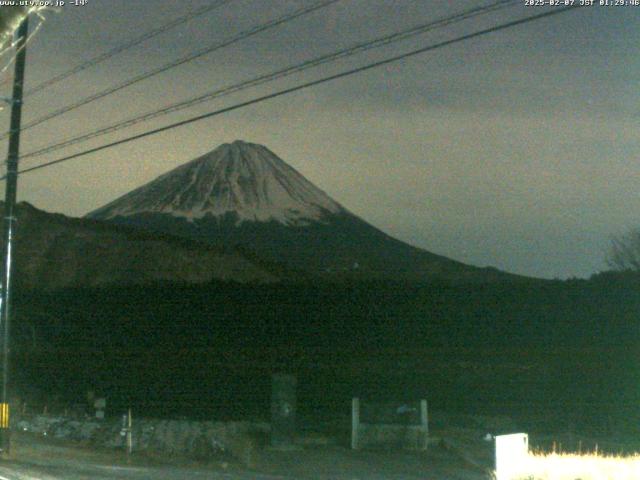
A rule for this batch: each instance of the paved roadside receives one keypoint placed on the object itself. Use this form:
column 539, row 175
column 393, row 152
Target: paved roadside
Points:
column 35, row 458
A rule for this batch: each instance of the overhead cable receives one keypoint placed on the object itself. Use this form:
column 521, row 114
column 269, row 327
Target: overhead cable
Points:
column 176, row 63
column 314, row 62
column 306, row 85
column 127, row 45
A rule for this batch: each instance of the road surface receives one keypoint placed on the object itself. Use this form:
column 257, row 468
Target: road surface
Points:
column 36, row 458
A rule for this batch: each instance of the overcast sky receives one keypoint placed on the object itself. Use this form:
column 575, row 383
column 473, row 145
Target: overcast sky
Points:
column 518, row 149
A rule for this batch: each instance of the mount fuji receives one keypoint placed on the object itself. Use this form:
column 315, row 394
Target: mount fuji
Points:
column 242, row 194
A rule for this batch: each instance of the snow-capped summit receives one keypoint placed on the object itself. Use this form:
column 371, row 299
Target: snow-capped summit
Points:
column 243, row 179
column 242, row 194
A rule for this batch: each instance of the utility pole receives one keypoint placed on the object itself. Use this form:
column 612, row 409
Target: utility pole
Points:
column 9, row 220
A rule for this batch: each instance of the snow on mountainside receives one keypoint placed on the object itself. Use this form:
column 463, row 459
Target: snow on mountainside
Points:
column 242, row 178
column 242, row 194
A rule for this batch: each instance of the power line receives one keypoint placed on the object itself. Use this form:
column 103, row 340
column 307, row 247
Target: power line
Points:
column 306, row 85
column 126, row 46
column 13, row 45
column 181, row 61
column 340, row 54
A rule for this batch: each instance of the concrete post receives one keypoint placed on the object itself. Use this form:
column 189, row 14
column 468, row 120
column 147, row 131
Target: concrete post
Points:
column 424, row 421
column 283, row 410
column 355, row 423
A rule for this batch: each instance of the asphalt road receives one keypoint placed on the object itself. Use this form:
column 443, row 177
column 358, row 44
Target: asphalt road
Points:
column 35, row 458
column 84, row 471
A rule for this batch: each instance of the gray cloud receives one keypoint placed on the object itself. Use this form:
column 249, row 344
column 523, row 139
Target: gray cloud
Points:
column 518, row 150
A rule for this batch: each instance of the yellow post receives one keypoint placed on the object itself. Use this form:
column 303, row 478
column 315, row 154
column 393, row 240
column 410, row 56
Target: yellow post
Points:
column 4, row 415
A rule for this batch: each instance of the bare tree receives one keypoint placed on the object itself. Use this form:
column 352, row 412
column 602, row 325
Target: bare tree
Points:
column 625, row 252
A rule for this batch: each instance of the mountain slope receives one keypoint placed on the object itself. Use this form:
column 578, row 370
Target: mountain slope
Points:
column 245, row 180
column 243, row 194
column 53, row 251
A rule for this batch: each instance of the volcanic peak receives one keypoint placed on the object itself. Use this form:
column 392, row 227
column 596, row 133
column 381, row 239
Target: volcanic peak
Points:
column 242, row 179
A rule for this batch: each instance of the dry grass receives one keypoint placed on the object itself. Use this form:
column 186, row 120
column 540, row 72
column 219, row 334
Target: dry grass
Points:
column 573, row 466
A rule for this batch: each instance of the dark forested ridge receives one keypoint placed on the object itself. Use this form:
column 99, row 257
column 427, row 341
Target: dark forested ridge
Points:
column 561, row 346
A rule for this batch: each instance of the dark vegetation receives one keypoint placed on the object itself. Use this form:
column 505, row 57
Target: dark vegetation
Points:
column 556, row 354
column 342, row 246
